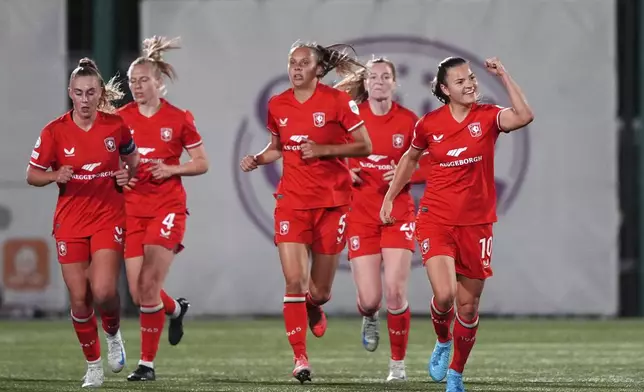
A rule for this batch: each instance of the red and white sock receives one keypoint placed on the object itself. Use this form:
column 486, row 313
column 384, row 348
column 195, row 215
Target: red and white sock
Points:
column 170, row 305
column 442, row 320
column 464, row 339
column 86, row 327
column 111, row 320
column 152, row 319
column 398, row 321
column 295, row 321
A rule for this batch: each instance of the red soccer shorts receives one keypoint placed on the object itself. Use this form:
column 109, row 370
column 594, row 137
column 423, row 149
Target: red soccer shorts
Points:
column 321, row 228
column 369, row 239
column 78, row 250
column 470, row 246
column 165, row 229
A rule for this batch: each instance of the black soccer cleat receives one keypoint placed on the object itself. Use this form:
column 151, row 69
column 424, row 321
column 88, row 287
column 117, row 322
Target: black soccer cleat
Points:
column 303, row 375
column 142, row 373
column 175, row 330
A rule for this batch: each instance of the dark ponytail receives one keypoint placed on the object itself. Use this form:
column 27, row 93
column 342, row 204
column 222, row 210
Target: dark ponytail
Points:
column 441, row 77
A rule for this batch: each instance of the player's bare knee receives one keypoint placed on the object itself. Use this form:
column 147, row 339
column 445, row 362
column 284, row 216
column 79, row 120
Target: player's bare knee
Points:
column 444, row 299
column 148, row 290
column 79, row 306
column 320, row 294
column 395, row 297
column 369, row 303
column 104, row 294
column 468, row 311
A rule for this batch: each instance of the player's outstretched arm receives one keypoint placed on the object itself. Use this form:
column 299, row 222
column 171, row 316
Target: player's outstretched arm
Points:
column 359, row 146
column 520, row 114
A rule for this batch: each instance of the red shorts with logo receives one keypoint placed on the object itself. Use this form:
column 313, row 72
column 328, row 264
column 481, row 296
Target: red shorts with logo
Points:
column 470, row 246
column 369, row 239
column 321, row 228
column 78, row 250
column 166, row 229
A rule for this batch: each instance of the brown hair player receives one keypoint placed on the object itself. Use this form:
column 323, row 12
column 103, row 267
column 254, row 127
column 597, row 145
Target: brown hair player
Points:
column 309, row 124
column 156, row 199
column 454, row 224
column 84, row 149
column 373, row 245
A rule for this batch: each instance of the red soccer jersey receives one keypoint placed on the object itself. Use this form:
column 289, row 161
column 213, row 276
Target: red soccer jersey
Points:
column 325, row 118
column 91, row 201
column 160, row 139
column 390, row 136
column 461, row 187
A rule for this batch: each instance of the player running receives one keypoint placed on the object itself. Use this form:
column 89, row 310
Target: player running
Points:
column 309, row 124
column 454, row 224
column 155, row 198
column 372, row 244
column 84, row 149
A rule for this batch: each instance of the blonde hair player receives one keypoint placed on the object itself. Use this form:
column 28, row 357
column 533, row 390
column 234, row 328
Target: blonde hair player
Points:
column 156, row 199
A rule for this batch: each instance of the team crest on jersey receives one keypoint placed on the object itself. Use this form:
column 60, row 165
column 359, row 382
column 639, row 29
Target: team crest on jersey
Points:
column 424, row 246
column 62, row 248
column 166, row 134
column 475, row 129
column 398, row 140
column 110, row 144
column 319, row 119
column 284, row 226
column 354, row 243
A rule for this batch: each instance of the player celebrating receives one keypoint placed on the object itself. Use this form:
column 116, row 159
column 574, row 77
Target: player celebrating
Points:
column 370, row 243
column 309, row 124
column 454, row 224
column 156, row 199
column 84, row 148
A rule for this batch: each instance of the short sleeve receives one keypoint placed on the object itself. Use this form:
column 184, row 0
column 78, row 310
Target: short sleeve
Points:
column 271, row 124
column 126, row 145
column 190, row 137
column 496, row 114
column 419, row 136
column 348, row 113
column 44, row 154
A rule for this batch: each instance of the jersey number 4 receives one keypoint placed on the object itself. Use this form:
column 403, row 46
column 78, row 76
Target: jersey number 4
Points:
column 168, row 222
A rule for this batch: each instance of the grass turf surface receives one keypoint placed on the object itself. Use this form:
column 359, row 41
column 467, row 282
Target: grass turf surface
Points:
column 254, row 355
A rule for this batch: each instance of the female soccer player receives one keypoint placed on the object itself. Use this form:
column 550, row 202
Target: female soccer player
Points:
column 155, row 198
column 371, row 243
column 309, row 124
column 84, row 149
column 454, row 224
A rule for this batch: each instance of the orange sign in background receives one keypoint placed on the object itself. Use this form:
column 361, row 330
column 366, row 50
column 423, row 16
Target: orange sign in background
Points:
column 26, row 264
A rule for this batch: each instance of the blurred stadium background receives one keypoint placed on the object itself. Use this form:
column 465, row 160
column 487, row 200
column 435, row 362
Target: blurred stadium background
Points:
column 569, row 232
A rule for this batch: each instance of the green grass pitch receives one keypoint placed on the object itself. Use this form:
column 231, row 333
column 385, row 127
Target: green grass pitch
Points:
column 254, row 355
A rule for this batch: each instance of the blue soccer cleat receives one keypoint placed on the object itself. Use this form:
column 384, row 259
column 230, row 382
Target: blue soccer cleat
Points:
column 454, row 381
column 439, row 360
